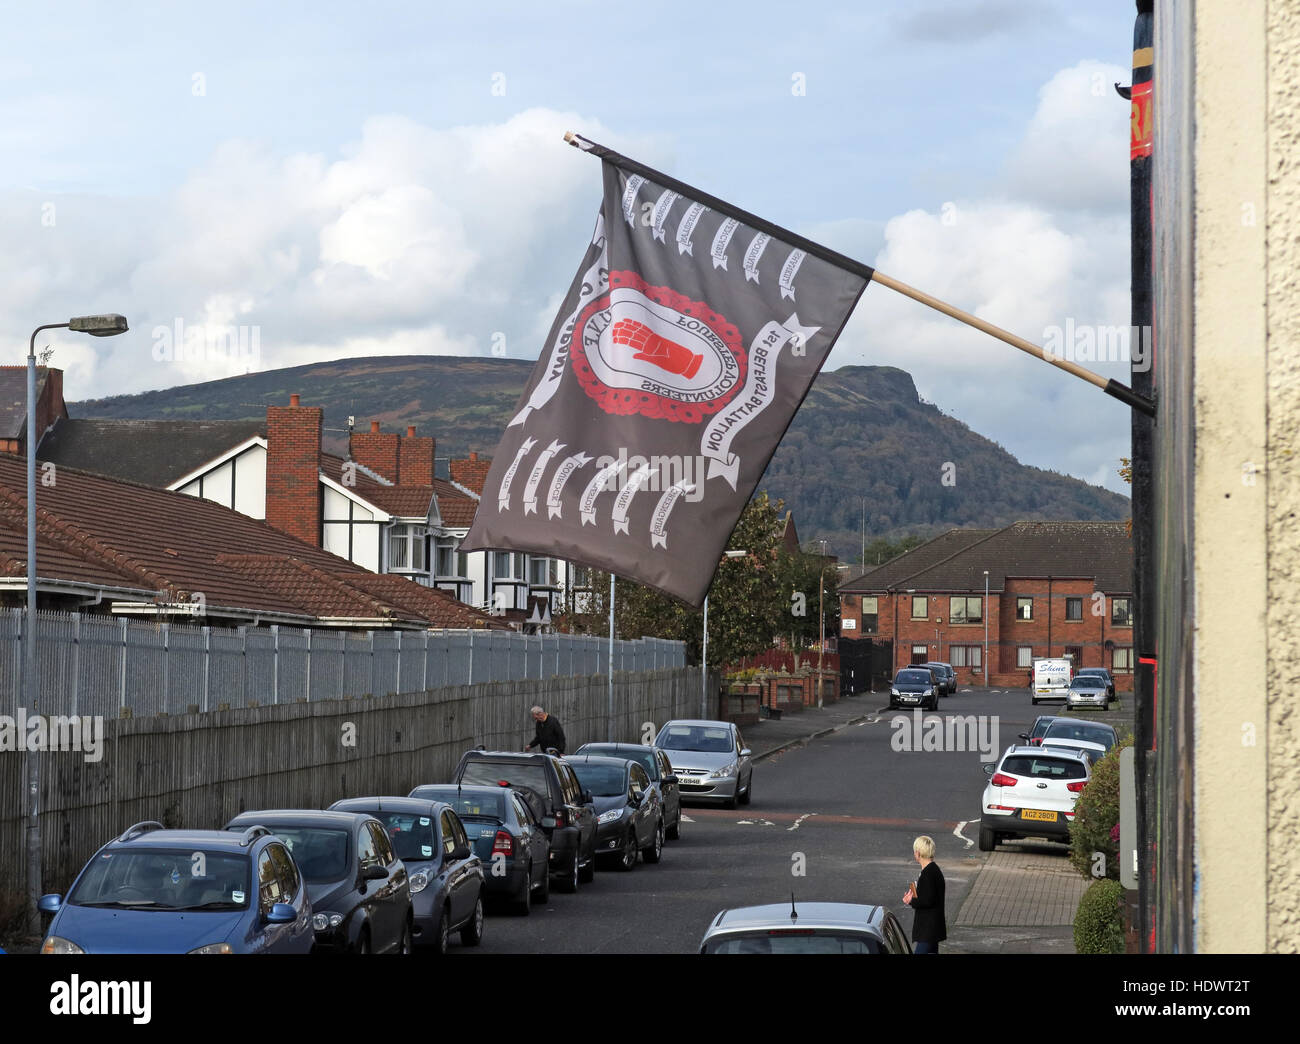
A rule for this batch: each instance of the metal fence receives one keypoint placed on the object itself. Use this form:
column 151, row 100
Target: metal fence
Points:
column 99, row 665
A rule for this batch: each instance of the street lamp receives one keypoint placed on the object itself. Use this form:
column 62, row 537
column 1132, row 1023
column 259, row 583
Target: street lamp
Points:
column 986, row 628
column 96, row 326
column 704, row 651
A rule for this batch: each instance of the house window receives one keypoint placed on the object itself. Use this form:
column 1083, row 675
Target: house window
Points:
column 406, row 548
column 869, row 616
column 1074, row 608
column 507, row 565
column 920, row 607
column 1024, row 609
column 580, row 575
column 448, row 561
column 1024, row 656
column 963, row 610
column 966, row 656
column 543, row 572
column 920, row 654
column 1120, row 613
column 1122, row 660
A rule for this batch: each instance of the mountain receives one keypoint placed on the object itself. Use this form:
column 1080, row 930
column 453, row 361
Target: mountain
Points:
column 862, row 432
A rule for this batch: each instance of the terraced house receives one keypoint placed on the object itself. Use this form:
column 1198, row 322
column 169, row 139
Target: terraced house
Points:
column 998, row 598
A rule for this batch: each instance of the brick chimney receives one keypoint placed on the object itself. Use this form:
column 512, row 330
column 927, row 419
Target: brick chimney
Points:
column 376, row 451
column 415, row 460
column 293, row 494
column 471, row 473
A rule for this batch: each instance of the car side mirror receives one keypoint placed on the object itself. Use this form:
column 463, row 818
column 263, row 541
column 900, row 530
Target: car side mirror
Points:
column 1024, row 736
column 374, row 872
column 635, row 799
column 670, row 780
column 461, row 852
column 52, row 903
column 745, row 753
column 282, row 913
column 988, row 770
column 586, row 797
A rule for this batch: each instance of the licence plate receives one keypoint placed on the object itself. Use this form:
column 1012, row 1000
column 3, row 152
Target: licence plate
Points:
column 1031, row 813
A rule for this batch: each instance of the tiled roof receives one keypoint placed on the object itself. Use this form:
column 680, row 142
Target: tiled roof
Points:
column 104, row 532
column 454, row 505
column 438, row 607
column 956, row 560
column 155, row 452
column 403, row 501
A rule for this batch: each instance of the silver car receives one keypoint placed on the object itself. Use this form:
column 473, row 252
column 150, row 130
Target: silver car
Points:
column 805, row 928
column 1087, row 690
column 711, row 760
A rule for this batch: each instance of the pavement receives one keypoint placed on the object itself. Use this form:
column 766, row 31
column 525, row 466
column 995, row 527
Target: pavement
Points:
column 1025, row 895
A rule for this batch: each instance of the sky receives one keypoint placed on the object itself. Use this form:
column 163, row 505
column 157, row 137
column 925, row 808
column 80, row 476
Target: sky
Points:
column 294, row 182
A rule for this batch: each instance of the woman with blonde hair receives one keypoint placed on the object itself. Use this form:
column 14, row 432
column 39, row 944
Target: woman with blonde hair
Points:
column 925, row 897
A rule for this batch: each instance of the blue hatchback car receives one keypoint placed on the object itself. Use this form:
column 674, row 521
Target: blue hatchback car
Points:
column 153, row 890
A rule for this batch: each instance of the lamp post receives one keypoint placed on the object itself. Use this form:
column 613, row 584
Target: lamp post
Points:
column 96, row 326
column 609, row 716
column 986, row 628
column 704, row 650
column 821, row 622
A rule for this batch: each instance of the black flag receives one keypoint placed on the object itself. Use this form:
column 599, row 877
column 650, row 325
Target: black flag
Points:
column 690, row 335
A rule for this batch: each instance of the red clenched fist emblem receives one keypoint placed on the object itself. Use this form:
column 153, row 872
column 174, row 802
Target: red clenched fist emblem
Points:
column 650, row 347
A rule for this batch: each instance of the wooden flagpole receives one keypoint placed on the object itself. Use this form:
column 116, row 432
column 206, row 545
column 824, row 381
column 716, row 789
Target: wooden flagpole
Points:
column 1113, row 388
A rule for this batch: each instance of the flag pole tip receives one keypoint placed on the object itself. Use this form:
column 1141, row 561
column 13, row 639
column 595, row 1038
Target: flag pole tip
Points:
column 569, row 136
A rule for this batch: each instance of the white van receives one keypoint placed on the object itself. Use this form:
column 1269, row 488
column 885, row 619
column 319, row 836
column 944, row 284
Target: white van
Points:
column 1051, row 679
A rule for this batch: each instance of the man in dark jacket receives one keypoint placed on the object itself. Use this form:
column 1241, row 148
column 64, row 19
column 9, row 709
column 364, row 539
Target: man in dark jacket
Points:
column 549, row 733
column 925, row 897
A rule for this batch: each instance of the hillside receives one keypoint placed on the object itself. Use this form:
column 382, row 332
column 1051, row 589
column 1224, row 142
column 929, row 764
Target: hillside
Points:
column 862, row 431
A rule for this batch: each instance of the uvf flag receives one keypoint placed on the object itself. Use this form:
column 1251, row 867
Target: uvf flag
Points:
column 690, row 335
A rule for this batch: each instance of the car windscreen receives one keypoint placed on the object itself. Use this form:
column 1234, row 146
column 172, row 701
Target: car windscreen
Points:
column 787, row 941
column 644, row 758
column 601, row 780
column 1042, row 767
column 1088, row 733
column 1041, row 726
column 913, row 678
column 1087, row 681
column 320, row 852
column 467, row 805
column 414, row 836
column 165, row 880
column 495, row 773
column 704, row 739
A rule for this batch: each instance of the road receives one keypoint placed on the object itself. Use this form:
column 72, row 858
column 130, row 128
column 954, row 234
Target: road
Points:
column 832, row 820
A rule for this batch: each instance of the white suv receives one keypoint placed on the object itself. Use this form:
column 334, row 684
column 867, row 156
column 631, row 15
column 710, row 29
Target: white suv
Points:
column 1032, row 793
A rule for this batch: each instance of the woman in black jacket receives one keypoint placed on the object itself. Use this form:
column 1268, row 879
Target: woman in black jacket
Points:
column 925, row 897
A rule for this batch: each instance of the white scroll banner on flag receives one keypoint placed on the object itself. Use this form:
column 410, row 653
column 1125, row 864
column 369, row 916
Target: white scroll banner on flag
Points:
column 722, row 240
column 687, row 227
column 503, row 491
column 623, row 504
column 664, row 205
column 629, row 198
column 754, row 397
column 756, row 247
column 535, row 479
column 659, row 518
column 562, row 475
column 597, row 485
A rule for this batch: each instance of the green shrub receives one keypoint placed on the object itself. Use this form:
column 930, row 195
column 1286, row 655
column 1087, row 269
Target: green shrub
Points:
column 1098, row 923
column 1095, row 830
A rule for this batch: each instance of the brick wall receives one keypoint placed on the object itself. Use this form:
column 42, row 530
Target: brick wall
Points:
column 471, row 473
column 293, row 489
column 376, row 450
column 1048, row 631
column 415, row 460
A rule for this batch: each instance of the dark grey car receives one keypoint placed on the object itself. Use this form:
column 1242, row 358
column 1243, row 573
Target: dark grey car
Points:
column 660, row 770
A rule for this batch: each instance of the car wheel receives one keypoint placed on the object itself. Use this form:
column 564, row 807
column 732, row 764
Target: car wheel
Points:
column 408, row 941
column 543, row 888
column 675, row 831
column 569, row 883
column 1106, row 706
column 522, row 902
column 656, row 849
column 472, row 933
column 749, row 790
column 988, row 839
column 627, row 858
column 587, row 873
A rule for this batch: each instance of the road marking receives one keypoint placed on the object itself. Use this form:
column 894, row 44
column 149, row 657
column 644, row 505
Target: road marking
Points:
column 800, row 820
column 687, row 819
column 958, row 832
column 754, row 822
column 822, row 817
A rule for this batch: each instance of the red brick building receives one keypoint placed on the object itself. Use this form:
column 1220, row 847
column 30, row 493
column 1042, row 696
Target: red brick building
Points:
column 1054, row 589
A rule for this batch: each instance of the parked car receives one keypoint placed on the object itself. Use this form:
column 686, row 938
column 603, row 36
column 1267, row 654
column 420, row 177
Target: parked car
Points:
column 1031, row 793
column 1050, row 678
column 1087, row 690
column 662, row 777
column 1094, row 752
column 1035, row 734
column 711, row 760
column 446, row 877
column 914, row 686
column 360, row 894
column 152, row 890
column 629, row 811
column 946, row 675
column 1100, row 672
column 507, row 838
column 565, row 811
column 1080, row 729
column 806, row 928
